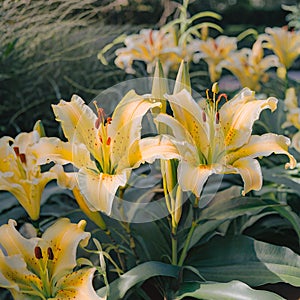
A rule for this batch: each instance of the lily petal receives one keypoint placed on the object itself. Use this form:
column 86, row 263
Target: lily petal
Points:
column 99, row 189
column 192, row 178
column 238, row 115
column 53, row 149
column 77, row 285
column 26, row 139
column 63, row 238
column 296, row 141
column 250, row 171
column 263, row 145
column 78, row 123
column 150, row 149
column 15, row 244
column 15, row 276
column 189, row 114
column 125, row 126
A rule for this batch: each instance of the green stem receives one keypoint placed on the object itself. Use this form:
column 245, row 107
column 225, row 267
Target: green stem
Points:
column 191, row 232
column 174, row 246
column 127, row 228
column 117, row 250
column 187, row 244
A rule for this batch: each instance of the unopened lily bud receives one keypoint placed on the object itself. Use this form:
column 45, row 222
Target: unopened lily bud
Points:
column 39, row 127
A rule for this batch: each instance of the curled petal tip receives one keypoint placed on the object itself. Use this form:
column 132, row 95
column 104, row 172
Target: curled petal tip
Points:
column 82, row 224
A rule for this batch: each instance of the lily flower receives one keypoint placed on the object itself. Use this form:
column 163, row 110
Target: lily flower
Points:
column 292, row 116
column 213, row 52
column 43, row 268
column 19, row 173
column 103, row 149
column 285, row 44
column 150, row 46
column 249, row 66
column 219, row 140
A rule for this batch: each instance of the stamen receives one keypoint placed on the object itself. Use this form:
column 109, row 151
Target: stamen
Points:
column 224, row 96
column 101, row 115
column 108, row 120
column 207, row 94
column 108, row 141
column 17, row 150
column 23, row 158
column 217, row 117
column 97, row 123
column 203, row 116
column 50, row 253
column 38, row 252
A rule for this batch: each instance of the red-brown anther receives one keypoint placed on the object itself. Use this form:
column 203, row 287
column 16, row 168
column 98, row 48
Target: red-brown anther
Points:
column 38, row 252
column 108, row 120
column 108, row 141
column 217, row 117
column 101, row 139
column 23, row 158
column 203, row 116
column 17, row 150
column 97, row 123
column 50, row 254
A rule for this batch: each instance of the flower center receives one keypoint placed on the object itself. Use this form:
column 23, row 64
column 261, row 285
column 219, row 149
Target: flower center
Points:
column 101, row 124
column 21, row 161
column 211, row 115
column 45, row 262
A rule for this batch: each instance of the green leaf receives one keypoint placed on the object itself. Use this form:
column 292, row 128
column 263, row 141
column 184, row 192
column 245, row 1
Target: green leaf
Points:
column 227, row 206
column 245, row 259
column 282, row 176
column 140, row 273
column 287, row 213
column 234, row 290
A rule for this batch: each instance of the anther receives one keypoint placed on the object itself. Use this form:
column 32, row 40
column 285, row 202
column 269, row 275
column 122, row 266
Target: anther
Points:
column 108, row 141
column 50, row 253
column 17, row 151
column 38, row 252
column 108, row 120
column 217, row 117
column 203, row 116
column 215, row 88
column 23, row 158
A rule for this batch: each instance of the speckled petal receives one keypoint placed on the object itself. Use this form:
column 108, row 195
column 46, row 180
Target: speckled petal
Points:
column 77, row 286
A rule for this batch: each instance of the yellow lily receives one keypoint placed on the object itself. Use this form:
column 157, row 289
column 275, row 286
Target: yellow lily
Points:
column 213, row 52
column 285, row 44
column 103, row 149
column 19, row 173
column 249, row 66
column 150, row 46
column 43, row 268
column 292, row 116
column 213, row 140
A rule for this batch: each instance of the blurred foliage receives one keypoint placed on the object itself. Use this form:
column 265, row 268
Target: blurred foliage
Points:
column 46, row 55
